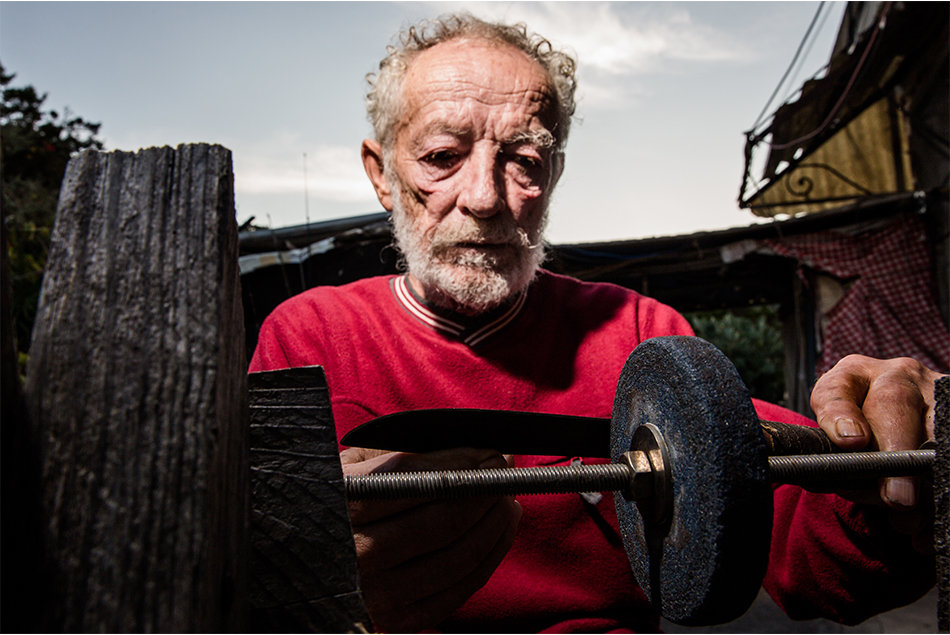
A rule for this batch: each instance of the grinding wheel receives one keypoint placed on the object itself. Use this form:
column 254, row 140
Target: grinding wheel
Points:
column 704, row 562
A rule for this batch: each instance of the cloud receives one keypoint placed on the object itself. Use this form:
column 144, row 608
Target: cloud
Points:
column 274, row 165
column 332, row 172
column 625, row 41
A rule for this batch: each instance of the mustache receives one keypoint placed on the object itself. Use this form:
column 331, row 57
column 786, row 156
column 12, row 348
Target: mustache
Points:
column 497, row 230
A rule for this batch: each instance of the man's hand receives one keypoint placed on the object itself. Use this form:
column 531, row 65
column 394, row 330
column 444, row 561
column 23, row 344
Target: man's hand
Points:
column 870, row 404
column 421, row 560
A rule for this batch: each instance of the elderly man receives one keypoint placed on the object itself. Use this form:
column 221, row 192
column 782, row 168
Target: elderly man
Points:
column 470, row 120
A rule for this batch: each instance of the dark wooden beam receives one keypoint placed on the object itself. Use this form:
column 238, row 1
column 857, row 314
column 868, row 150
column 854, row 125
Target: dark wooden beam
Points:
column 137, row 387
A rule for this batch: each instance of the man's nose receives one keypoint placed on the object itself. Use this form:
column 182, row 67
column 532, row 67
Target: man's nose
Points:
column 481, row 192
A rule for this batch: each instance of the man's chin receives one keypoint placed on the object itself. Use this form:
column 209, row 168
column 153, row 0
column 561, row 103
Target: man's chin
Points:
column 473, row 290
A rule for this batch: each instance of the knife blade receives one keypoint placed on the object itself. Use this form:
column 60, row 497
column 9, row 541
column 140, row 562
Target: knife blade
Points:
column 509, row 432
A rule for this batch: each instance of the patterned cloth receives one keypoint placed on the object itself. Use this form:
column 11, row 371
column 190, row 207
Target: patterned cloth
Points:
column 888, row 309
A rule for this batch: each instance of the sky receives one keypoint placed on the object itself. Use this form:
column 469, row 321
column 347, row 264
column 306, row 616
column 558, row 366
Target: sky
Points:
column 665, row 93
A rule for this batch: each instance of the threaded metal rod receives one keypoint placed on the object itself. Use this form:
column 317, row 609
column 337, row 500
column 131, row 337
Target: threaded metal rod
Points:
column 814, row 468
column 492, row 482
column 810, row 468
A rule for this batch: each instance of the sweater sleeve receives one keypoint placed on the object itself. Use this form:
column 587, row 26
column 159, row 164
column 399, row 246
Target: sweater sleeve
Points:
column 836, row 559
column 290, row 336
column 269, row 353
column 656, row 320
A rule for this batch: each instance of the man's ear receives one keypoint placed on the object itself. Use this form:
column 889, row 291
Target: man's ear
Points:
column 372, row 154
column 557, row 168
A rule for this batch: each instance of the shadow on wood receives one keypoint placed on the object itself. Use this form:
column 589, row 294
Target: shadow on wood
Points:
column 22, row 576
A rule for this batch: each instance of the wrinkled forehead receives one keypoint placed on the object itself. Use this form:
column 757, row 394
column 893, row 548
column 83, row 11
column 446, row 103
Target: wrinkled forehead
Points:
column 477, row 71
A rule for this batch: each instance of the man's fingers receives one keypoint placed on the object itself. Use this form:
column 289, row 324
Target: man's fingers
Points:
column 923, row 542
column 424, row 591
column 886, row 405
column 433, row 572
column 437, row 552
column 362, row 461
column 881, row 404
column 422, row 529
column 837, row 399
column 896, row 410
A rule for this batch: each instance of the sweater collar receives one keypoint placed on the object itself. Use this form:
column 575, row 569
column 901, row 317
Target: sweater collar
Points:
column 470, row 330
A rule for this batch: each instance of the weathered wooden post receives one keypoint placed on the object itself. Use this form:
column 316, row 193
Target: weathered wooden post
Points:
column 136, row 385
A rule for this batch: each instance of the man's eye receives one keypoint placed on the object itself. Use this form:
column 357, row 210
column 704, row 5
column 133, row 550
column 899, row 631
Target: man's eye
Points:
column 441, row 158
column 526, row 162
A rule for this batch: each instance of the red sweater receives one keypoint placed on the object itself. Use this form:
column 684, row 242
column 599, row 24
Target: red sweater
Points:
column 560, row 349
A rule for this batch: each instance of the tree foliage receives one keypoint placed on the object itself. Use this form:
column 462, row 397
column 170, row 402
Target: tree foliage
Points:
column 36, row 145
column 752, row 338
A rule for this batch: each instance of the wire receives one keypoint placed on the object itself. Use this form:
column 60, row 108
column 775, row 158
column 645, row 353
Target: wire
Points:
column 793, row 82
column 781, row 82
column 847, row 89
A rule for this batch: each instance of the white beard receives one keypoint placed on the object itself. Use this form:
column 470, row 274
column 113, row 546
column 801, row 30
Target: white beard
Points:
column 467, row 280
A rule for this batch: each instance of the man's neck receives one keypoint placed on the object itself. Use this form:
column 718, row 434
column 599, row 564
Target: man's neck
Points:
column 435, row 296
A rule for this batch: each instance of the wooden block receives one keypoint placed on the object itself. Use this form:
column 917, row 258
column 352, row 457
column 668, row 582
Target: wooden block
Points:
column 304, row 573
column 137, row 386
column 941, row 486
